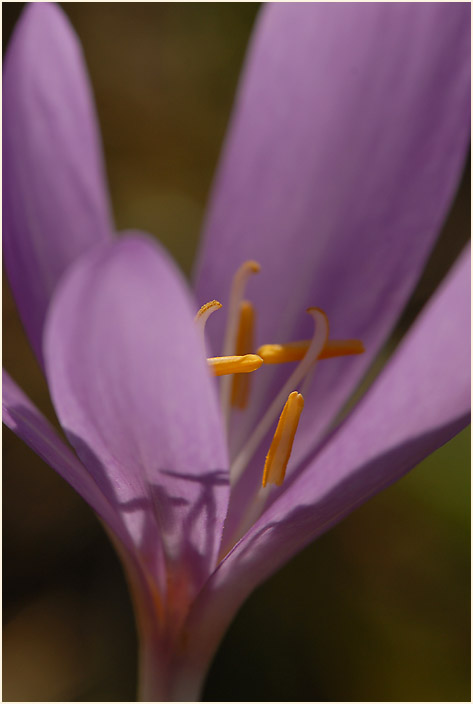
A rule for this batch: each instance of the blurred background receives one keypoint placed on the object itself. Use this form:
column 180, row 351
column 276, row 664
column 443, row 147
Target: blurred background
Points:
column 375, row 610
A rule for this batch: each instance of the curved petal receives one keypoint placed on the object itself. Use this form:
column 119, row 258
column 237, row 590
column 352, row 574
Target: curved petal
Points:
column 26, row 421
column 345, row 149
column 418, row 403
column 55, row 202
column 132, row 390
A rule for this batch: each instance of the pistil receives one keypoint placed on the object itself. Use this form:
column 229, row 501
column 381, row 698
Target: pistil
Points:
column 204, row 314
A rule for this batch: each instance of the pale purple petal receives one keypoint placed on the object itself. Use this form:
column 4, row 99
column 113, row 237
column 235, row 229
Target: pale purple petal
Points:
column 26, row 421
column 420, row 401
column 345, row 149
column 55, row 202
column 133, row 392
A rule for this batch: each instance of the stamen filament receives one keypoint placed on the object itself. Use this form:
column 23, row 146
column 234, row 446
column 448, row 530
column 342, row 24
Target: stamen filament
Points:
column 311, row 357
column 295, row 351
column 244, row 345
column 281, row 445
column 236, row 296
column 237, row 364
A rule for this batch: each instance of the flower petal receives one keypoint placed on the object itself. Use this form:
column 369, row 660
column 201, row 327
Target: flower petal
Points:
column 55, row 203
column 26, row 421
column 345, row 149
column 420, row 401
column 133, row 392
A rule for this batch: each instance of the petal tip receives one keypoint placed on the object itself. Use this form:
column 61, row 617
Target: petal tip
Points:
column 38, row 26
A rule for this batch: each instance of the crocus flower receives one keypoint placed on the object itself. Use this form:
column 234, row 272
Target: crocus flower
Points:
column 343, row 155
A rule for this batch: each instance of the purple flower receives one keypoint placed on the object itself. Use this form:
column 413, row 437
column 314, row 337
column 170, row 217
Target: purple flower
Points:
column 343, row 155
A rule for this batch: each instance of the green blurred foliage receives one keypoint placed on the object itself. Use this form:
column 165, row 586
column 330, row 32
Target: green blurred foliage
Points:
column 375, row 610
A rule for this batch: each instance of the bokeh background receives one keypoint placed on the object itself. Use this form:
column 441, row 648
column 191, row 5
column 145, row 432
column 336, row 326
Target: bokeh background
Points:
column 375, row 610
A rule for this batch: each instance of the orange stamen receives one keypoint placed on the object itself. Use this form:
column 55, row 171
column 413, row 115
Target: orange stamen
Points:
column 244, row 345
column 238, row 364
column 295, row 351
column 281, row 445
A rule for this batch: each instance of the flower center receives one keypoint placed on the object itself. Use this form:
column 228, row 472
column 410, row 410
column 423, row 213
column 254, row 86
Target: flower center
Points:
column 238, row 359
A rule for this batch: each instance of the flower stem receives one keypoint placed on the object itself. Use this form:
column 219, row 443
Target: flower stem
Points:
column 163, row 678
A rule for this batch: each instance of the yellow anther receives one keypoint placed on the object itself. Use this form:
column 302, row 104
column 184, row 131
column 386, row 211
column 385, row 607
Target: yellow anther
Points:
column 234, row 365
column 237, row 292
column 244, row 345
column 281, row 445
column 295, row 351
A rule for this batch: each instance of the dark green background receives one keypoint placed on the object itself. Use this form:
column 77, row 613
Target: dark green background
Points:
column 378, row 609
